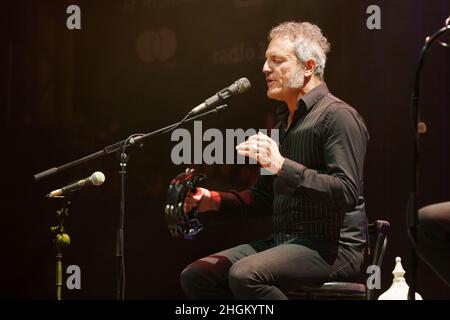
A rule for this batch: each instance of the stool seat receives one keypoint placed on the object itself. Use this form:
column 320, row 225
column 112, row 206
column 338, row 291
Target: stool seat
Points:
column 349, row 290
column 334, row 290
column 338, row 287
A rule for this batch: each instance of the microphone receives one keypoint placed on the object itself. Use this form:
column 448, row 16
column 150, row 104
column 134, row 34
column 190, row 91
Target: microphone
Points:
column 96, row 179
column 238, row 87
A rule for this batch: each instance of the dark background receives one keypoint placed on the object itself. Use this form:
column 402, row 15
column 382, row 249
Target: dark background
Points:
column 68, row 93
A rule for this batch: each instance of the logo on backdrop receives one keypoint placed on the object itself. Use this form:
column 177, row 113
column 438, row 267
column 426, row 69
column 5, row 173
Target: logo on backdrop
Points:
column 240, row 53
column 156, row 45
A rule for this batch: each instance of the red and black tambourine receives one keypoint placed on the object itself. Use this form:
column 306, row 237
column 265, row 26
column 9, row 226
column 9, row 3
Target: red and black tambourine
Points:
column 178, row 221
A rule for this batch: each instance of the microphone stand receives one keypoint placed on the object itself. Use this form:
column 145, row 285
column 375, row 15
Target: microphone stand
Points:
column 133, row 140
column 419, row 128
column 61, row 240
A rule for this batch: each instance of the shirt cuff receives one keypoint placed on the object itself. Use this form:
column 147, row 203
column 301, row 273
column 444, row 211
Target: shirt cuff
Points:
column 234, row 202
column 216, row 200
column 289, row 178
column 227, row 201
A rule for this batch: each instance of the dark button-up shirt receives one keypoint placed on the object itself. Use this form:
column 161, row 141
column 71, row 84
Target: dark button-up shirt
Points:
column 319, row 191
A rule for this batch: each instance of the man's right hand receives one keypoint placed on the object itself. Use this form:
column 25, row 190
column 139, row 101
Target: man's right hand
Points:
column 204, row 199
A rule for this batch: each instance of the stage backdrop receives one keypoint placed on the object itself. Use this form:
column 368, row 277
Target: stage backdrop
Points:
column 138, row 65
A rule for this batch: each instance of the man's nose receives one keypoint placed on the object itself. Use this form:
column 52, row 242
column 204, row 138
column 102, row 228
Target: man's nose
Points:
column 266, row 68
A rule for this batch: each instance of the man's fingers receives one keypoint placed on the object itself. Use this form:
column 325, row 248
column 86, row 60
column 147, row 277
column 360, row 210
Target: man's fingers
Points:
column 198, row 191
column 246, row 145
column 192, row 200
column 197, row 197
column 244, row 153
column 259, row 147
column 189, row 205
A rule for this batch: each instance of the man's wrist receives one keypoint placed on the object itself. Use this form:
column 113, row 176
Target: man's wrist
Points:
column 280, row 166
column 214, row 200
column 210, row 201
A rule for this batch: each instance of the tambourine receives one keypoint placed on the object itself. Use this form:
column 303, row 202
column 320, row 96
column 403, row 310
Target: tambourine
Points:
column 179, row 222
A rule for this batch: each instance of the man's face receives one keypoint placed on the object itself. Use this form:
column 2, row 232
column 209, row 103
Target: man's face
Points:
column 284, row 73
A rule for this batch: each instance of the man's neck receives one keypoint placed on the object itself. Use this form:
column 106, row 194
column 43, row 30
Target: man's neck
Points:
column 292, row 104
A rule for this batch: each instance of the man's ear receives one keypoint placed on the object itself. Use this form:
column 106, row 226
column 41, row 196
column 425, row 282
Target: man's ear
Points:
column 309, row 67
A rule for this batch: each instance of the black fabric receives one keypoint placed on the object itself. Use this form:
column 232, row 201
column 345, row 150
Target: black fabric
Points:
column 319, row 191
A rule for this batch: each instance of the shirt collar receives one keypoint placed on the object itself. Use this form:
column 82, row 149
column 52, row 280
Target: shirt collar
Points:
column 308, row 100
column 312, row 97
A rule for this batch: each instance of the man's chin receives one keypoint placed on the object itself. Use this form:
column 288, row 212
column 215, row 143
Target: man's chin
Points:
column 272, row 94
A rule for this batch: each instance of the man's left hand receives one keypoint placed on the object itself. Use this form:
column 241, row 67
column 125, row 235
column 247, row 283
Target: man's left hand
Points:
column 264, row 150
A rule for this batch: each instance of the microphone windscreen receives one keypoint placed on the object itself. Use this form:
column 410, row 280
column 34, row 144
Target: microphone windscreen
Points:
column 97, row 178
column 242, row 85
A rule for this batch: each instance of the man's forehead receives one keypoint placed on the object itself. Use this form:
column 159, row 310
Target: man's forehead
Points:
column 280, row 46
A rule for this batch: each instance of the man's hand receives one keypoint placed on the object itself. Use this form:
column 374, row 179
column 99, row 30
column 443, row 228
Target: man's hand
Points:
column 204, row 199
column 264, row 150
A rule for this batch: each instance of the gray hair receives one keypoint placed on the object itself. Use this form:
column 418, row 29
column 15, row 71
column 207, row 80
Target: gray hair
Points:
column 309, row 42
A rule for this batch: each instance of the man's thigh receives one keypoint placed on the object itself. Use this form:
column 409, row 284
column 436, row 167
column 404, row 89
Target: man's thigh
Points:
column 292, row 265
column 234, row 254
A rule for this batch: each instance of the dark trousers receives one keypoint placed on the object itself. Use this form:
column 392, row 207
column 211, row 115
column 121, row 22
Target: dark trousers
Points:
column 264, row 269
column 433, row 241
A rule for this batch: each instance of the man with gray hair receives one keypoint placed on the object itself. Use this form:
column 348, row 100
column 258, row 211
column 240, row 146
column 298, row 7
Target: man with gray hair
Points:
column 315, row 192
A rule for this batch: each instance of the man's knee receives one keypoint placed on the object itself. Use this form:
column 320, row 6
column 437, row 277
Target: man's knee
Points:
column 193, row 274
column 242, row 275
column 189, row 276
column 206, row 272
